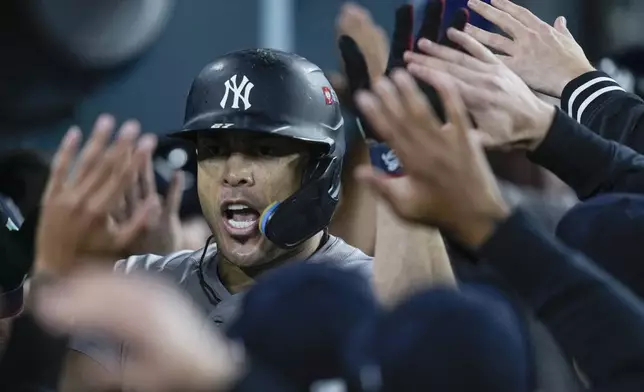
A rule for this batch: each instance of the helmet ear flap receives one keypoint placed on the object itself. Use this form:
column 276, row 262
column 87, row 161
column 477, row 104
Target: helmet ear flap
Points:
column 308, row 211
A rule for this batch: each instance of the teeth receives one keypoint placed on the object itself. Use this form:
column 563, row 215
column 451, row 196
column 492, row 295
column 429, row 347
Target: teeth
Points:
column 237, row 207
column 241, row 224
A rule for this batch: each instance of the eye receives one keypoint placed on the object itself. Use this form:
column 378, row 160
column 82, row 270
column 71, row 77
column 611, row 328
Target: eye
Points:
column 212, row 151
column 267, row 150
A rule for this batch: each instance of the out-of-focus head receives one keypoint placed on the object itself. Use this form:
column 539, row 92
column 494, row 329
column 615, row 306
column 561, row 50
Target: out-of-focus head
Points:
column 297, row 319
column 269, row 137
column 15, row 262
column 443, row 340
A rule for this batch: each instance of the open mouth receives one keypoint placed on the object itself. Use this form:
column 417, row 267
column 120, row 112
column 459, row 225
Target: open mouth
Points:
column 240, row 219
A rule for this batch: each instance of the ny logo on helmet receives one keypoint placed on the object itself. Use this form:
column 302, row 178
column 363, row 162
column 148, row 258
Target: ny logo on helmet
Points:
column 240, row 92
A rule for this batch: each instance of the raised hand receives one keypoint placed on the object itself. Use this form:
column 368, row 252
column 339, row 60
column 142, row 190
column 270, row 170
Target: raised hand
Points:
column 356, row 24
column 75, row 220
column 162, row 233
column 361, row 71
column 360, row 64
column 506, row 111
column 448, row 182
column 545, row 57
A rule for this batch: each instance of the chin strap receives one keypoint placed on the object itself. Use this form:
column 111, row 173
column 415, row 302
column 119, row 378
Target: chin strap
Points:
column 207, row 289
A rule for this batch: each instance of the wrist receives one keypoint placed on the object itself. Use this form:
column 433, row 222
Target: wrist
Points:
column 51, row 265
column 542, row 120
column 475, row 231
column 576, row 72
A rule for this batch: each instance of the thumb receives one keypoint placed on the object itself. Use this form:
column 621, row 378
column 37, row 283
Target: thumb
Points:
column 561, row 25
column 382, row 185
column 482, row 139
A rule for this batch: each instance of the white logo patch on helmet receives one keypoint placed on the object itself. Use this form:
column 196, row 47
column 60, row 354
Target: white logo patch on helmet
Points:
column 240, row 92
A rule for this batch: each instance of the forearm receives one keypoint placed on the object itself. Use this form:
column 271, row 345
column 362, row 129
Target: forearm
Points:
column 588, row 163
column 32, row 347
column 355, row 218
column 408, row 258
column 597, row 101
column 593, row 317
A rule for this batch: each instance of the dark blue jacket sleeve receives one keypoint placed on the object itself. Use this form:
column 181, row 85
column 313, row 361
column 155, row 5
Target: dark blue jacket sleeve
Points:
column 595, row 319
column 601, row 104
column 33, row 358
column 587, row 162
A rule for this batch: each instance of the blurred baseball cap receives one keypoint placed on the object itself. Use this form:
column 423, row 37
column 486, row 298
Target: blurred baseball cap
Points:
column 297, row 320
column 443, row 340
column 15, row 259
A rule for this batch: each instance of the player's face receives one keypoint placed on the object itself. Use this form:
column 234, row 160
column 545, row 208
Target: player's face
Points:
column 239, row 175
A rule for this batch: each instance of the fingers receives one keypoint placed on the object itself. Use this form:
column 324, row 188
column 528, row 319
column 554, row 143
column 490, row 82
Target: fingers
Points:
column 385, row 111
column 455, row 109
column 403, row 35
column 106, row 184
column 561, row 25
column 432, row 21
column 351, row 16
column 101, row 134
column 491, row 40
column 482, row 139
column 418, row 109
column 139, row 219
column 472, row 46
column 355, row 64
column 459, row 22
column 372, row 111
column 517, row 12
column 450, row 55
column 175, row 193
column 380, row 184
column 390, row 100
column 461, row 19
column 500, row 18
column 148, row 180
column 420, row 71
column 133, row 195
column 62, row 162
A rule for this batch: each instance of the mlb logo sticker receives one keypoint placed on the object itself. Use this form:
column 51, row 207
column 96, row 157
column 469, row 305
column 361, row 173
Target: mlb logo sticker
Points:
column 328, row 96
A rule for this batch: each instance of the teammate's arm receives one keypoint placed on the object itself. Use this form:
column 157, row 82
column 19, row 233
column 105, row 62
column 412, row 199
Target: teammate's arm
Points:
column 597, row 101
column 355, row 219
column 407, row 257
column 549, row 60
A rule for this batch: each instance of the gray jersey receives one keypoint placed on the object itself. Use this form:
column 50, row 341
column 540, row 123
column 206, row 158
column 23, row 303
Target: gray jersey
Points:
column 182, row 268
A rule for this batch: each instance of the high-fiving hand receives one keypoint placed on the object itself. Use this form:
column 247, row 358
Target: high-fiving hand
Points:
column 449, row 183
column 545, row 57
column 505, row 109
column 75, row 219
column 163, row 232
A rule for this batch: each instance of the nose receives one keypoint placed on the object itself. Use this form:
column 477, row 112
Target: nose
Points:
column 238, row 171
